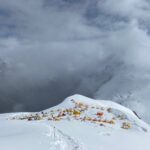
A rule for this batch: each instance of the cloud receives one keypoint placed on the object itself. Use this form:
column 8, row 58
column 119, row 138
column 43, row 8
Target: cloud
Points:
column 52, row 49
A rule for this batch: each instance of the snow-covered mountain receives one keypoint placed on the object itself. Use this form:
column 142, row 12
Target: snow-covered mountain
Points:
column 78, row 123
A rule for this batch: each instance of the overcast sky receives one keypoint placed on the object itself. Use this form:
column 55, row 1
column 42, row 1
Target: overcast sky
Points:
column 50, row 49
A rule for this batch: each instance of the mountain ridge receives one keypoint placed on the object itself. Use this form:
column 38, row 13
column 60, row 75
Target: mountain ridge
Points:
column 78, row 123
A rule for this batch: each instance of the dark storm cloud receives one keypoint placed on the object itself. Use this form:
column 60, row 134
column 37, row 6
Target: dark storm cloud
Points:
column 52, row 49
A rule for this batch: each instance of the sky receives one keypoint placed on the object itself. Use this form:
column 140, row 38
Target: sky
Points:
column 51, row 49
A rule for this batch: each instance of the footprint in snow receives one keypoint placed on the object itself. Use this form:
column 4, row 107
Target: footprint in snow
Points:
column 105, row 133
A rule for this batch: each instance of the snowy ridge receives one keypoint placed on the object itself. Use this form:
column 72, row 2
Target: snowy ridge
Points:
column 78, row 123
column 105, row 104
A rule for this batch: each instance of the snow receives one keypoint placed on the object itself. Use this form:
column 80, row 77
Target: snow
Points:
column 103, row 138
column 98, row 126
column 23, row 135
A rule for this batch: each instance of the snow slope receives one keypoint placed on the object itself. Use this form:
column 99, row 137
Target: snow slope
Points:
column 78, row 123
column 129, row 87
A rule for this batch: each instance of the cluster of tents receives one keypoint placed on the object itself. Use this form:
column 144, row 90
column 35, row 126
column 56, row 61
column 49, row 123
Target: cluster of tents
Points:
column 30, row 116
column 79, row 111
column 126, row 125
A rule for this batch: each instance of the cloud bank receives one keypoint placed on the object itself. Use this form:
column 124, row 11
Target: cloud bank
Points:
column 52, row 49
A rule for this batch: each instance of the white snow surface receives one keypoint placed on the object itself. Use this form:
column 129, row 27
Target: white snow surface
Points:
column 71, row 132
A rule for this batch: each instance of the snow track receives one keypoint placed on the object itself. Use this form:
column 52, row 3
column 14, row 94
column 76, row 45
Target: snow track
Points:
column 61, row 141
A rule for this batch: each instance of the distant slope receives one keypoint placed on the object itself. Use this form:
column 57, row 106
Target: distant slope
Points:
column 129, row 87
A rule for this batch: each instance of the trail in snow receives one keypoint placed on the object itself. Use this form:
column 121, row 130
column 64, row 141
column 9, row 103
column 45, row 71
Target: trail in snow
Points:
column 61, row 141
